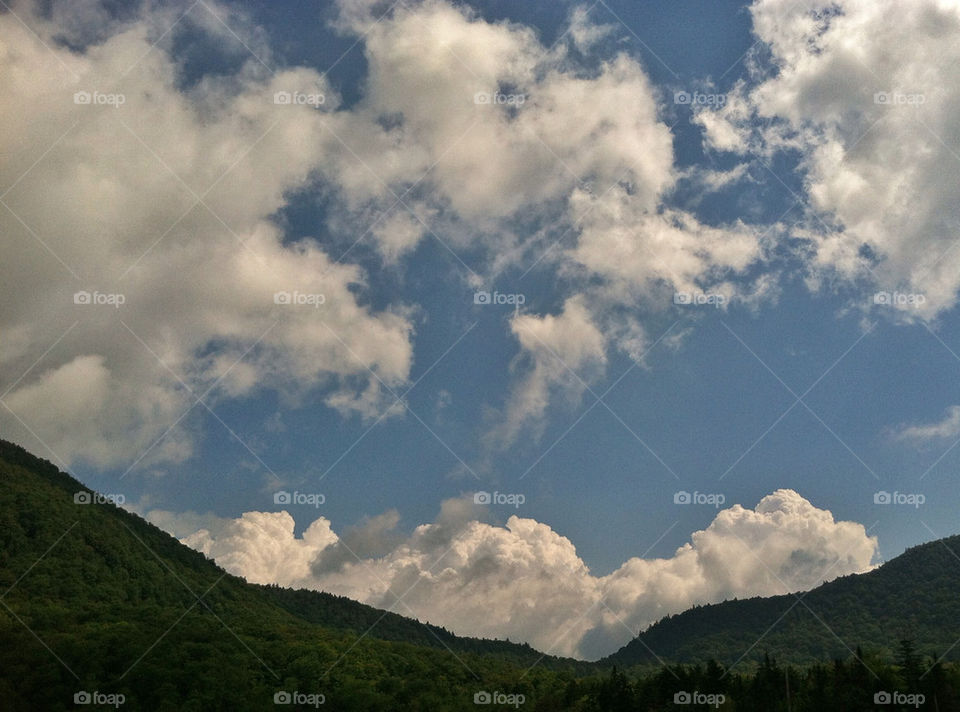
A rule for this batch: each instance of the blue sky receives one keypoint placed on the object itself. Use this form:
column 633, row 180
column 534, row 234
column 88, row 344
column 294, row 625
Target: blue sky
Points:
column 800, row 381
column 699, row 408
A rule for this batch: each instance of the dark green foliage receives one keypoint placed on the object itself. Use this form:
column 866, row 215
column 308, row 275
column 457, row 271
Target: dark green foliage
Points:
column 340, row 612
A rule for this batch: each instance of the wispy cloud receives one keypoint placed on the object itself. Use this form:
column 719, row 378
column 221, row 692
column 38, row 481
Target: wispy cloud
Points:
column 946, row 427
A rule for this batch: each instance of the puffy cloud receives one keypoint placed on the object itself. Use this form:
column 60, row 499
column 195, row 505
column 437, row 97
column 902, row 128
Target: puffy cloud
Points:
column 263, row 547
column 867, row 92
column 724, row 126
column 785, row 544
column 638, row 251
column 558, row 353
column 164, row 199
column 583, row 151
column 526, row 582
column 585, row 33
column 167, row 199
column 493, row 123
column 948, row 427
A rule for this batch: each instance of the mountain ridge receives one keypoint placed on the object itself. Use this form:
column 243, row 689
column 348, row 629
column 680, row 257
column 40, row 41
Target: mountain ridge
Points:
column 97, row 599
column 908, row 597
column 299, row 600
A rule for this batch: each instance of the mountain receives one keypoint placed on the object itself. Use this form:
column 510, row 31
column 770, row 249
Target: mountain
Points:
column 915, row 596
column 94, row 600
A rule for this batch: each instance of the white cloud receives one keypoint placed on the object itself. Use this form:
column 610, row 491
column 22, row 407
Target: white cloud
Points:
column 559, row 353
column 640, row 253
column 868, row 93
column 582, row 150
column 115, row 200
column 488, row 162
column 948, row 427
column 584, row 32
column 526, row 582
column 262, row 545
column 104, row 199
column 585, row 154
column 785, row 544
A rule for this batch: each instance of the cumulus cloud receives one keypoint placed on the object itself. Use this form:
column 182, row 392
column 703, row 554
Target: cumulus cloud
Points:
column 163, row 197
column 785, row 544
column 867, row 92
column 262, row 545
column 467, row 130
column 526, row 582
column 511, row 143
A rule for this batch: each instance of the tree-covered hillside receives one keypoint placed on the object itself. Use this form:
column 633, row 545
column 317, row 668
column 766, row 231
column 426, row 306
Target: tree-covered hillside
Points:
column 95, row 599
column 914, row 596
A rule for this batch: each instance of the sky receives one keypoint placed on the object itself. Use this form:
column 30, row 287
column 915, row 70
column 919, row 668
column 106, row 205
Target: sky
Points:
column 532, row 320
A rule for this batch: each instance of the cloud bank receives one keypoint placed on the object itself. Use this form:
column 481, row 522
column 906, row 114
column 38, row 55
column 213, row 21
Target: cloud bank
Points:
column 524, row 580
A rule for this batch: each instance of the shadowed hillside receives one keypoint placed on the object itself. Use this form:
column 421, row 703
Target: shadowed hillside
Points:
column 97, row 599
column 914, row 596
